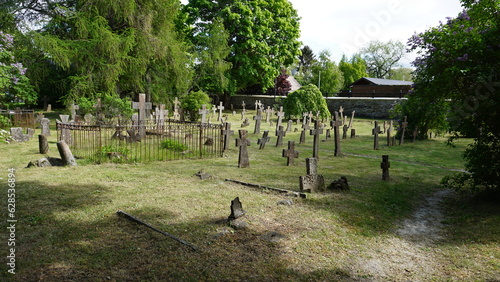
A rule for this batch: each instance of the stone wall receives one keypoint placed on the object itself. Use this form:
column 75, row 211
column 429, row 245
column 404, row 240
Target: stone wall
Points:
column 364, row 107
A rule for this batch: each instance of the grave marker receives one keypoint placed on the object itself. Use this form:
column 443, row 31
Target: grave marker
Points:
column 336, row 123
column 375, row 132
column 317, row 131
column 280, row 133
column 227, row 132
column 45, row 123
column 220, row 108
column 268, row 113
column 385, row 165
column 280, row 115
column 243, row 142
column 344, row 131
column 257, row 119
column 404, row 124
column 389, row 131
column 312, row 182
column 302, row 139
column 245, row 123
column 265, row 138
column 352, row 118
column 415, row 132
column 73, row 109
column 289, row 126
column 236, row 209
column 290, row 153
column 142, row 106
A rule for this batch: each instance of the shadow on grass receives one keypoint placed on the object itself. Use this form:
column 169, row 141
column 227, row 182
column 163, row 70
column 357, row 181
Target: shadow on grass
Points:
column 73, row 233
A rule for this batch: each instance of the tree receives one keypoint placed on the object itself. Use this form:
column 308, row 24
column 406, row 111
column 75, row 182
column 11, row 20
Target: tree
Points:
column 352, row 69
column 263, row 36
column 115, row 48
column 382, row 57
column 327, row 74
column 192, row 103
column 405, row 74
column 306, row 59
column 458, row 62
column 282, row 86
column 307, row 98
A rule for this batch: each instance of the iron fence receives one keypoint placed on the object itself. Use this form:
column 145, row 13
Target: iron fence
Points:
column 143, row 142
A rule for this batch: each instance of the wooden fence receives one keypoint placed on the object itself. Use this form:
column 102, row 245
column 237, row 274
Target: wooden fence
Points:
column 149, row 141
column 20, row 118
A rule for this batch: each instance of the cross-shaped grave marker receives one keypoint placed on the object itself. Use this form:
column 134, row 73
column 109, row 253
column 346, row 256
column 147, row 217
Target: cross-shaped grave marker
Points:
column 305, row 118
column 336, row 123
column 375, row 132
column 203, row 112
column 265, row 138
column 73, row 109
column 389, row 131
column 227, row 132
column 290, row 153
column 268, row 113
column 243, row 142
column 352, row 118
column 280, row 133
column 345, row 128
column 317, row 131
column 280, row 115
column 220, row 108
column 341, row 112
column 257, row 119
column 142, row 106
column 385, row 165
column 404, row 124
column 243, row 105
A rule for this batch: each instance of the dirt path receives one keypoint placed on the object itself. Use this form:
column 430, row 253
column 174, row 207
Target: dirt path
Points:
column 411, row 253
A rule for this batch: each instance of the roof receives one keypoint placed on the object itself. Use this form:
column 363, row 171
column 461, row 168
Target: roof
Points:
column 380, row 81
column 295, row 84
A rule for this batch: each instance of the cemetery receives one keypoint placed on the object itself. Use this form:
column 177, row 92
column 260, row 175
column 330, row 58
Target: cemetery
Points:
column 304, row 207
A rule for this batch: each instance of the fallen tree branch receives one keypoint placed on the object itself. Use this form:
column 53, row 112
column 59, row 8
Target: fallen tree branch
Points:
column 302, row 195
column 136, row 220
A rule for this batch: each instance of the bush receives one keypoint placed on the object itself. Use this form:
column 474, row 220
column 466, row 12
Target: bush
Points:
column 112, row 107
column 306, row 99
column 192, row 103
column 173, row 145
column 5, row 122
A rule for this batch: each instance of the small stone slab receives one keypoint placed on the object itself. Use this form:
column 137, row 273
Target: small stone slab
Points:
column 236, row 209
column 312, row 183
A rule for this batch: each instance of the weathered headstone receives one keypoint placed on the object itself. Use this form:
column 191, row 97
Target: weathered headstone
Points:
column 49, row 108
column 404, row 124
column 328, row 134
column 385, row 165
column 245, row 123
column 243, row 142
column 375, row 133
column 257, row 119
column 203, row 112
column 17, row 134
column 89, row 119
column 312, row 182
column 73, row 109
column 43, row 144
column 236, row 209
column 317, row 131
column 45, row 124
column 352, row 119
column 302, row 139
column 243, row 105
column 30, row 133
column 336, row 123
column 268, row 113
column 280, row 115
column 389, row 131
column 243, row 112
column 289, row 126
column 344, row 131
column 280, row 133
column 227, row 132
column 142, row 106
column 220, row 108
column 65, row 152
column 305, row 118
column 353, row 133
column 341, row 112
column 290, row 153
column 265, row 138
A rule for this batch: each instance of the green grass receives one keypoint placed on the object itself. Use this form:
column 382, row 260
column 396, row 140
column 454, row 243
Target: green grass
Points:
column 68, row 228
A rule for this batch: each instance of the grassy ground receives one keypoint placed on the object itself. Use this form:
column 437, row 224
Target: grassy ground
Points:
column 68, row 228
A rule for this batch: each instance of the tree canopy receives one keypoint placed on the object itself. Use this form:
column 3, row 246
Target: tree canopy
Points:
column 263, row 37
column 352, row 69
column 381, row 57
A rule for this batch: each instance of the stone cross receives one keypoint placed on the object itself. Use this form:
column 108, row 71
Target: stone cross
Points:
column 245, row 123
column 352, row 118
column 317, row 131
column 73, row 109
column 268, row 113
column 312, row 182
column 243, row 112
column 385, row 165
column 142, row 106
column 45, row 122
column 227, row 132
column 265, row 138
column 305, row 118
column 243, row 105
column 214, row 110
column 257, row 104
column 289, row 126
column 336, row 123
column 375, row 132
column 257, row 119
column 404, row 124
column 243, row 142
column 220, row 108
column 176, row 104
column 344, row 131
column 64, row 118
column 389, row 131
column 341, row 112
column 280, row 133
column 291, row 153
column 309, row 120
column 160, row 116
column 203, row 112
column 280, row 115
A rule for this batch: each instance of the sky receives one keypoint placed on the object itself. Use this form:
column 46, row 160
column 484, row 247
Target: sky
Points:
column 344, row 27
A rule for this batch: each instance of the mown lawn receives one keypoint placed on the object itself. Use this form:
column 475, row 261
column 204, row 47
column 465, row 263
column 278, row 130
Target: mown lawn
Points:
column 68, row 229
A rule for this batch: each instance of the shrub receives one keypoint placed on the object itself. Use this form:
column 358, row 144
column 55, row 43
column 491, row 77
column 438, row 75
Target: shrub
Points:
column 192, row 103
column 173, row 145
column 306, row 99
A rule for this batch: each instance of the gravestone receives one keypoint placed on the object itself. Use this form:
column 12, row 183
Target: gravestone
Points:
column 227, row 132
column 203, row 112
column 265, row 138
column 65, row 152
column 344, row 131
column 317, row 131
column 328, row 134
column 45, row 124
column 43, row 145
column 220, row 108
column 302, row 139
column 352, row 119
column 160, row 117
column 375, row 133
column 243, row 112
column 49, row 108
column 142, row 106
column 30, row 133
column 280, row 133
column 243, row 142
column 89, row 119
column 65, row 132
column 385, row 165
column 389, row 132
column 243, row 105
column 245, row 123
column 73, row 109
column 17, row 134
column 404, row 124
column 280, row 115
column 257, row 119
column 341, row 112
column 312, row 182
column 236, row 209
column 257, row 105
column 289, row 126
column 305, row 118
column 353, row 133
column 310, row 116
column 336, row 123
column 268, row 113
column 290, row 153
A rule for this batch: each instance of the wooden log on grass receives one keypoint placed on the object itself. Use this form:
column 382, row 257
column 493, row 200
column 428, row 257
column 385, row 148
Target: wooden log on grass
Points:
column 136, row 220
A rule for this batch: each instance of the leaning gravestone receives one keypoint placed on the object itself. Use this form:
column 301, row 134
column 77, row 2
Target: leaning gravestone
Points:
column 312, row 182
column 45, row 122
column 245, row 123
column 265, row 138
column 243, row 142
